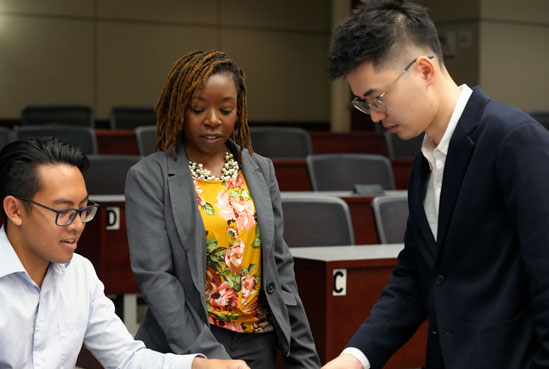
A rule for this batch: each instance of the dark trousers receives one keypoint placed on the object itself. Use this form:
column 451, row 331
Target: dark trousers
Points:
column 258, row 350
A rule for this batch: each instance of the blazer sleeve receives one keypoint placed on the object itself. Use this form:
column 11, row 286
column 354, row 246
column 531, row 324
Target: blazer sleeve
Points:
column 522, row 169
column 302, row 347
column 399, row 311
column 178, row 323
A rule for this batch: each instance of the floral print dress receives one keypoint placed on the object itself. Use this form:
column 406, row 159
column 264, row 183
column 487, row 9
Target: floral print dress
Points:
column 233, row 255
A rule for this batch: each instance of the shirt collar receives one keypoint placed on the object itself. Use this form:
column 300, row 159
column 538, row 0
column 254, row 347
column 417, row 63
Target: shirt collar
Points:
column 9, row 261
column 428, row 146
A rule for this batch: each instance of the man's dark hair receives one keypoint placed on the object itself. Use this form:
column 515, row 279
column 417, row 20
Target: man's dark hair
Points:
column 377, row 31
column 20, row 159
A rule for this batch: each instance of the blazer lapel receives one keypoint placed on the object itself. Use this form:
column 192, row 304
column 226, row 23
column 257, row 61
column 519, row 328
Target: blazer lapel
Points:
column 416, row 194
column 190, row 227
column 262, row 200
column 459, row 153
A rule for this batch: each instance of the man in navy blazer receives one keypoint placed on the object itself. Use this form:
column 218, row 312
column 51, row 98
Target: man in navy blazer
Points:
column 476, row 258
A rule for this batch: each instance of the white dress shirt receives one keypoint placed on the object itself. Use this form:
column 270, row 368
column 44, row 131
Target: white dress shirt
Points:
column 436, row 156
column 45, row 327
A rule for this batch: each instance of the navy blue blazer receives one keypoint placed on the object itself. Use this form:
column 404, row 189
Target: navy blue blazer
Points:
column 484, row 284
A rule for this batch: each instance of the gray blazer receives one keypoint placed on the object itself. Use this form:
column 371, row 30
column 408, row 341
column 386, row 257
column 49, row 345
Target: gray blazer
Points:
column 168, row 257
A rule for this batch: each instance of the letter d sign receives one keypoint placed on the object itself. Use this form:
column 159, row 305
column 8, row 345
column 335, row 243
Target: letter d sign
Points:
column 113, row 218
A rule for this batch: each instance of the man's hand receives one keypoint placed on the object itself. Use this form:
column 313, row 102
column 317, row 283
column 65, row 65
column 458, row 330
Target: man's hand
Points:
column 201, row 363
column 344, row 361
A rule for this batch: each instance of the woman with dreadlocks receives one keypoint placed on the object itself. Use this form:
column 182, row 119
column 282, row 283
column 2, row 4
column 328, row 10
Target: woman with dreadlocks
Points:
column 204, row 227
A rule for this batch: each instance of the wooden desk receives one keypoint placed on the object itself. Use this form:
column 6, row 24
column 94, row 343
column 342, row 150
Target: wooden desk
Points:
column 334, row 319
column 108, row 251
column 107, row 246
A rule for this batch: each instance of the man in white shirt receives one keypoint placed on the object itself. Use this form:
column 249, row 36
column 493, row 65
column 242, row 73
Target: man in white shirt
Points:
column 476, row 248
column 51, row 299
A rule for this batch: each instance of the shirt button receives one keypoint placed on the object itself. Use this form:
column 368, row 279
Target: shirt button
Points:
column 440, row 279
column 433, row 332
column 270, row 287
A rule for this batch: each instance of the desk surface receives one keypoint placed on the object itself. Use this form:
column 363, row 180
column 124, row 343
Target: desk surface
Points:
column 107, row 198
column 340, row 253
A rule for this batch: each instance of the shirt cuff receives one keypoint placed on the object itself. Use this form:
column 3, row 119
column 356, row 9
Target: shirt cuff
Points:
column 359, row 355
column 183, row 361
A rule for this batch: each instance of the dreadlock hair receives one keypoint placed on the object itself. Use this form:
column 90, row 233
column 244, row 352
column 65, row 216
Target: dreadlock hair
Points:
column 379, row 31
column 183, row 86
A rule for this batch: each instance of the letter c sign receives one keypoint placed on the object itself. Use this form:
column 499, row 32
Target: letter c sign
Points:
column 340, row 282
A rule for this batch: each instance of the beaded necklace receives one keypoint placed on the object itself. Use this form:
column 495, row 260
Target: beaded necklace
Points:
column 230, row 169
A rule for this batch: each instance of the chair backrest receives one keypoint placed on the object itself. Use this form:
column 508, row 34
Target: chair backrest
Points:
column 6, row 136
column 281, row 142
column 70, row 115
column 107, row 173
column 341, row 172
column 146, row 139
column 541, row 116
column 130, row 117
column 316, row 221
column 391, row 215
column 83, row 137
column 399, row 148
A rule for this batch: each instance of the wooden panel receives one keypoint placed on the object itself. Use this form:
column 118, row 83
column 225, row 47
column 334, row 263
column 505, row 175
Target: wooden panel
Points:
column 87, row 361
column 334, row 319
column 108, row 251
column 401, row 172
column 116, row 142
column 323, row 142
column 365, row 142
column 292, row 175
column 362, row 217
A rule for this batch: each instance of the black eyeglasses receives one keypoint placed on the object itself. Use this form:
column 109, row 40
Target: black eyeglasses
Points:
column 66, row 216
column 375, row 104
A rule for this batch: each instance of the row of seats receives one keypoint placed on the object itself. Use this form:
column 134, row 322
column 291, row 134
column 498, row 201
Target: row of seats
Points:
column 84, row 137
column 363, row 173
column 128, row 117
column 320, row 220
column 374, row 170
column 279, row 142
column 297, row 142
column 327, row 172
column 272, row 141
column 120, row 117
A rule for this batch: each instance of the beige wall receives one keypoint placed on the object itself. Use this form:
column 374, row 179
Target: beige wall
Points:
column 508, row 51
column 514, row 50
column 457, row 24
column 104, row 53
